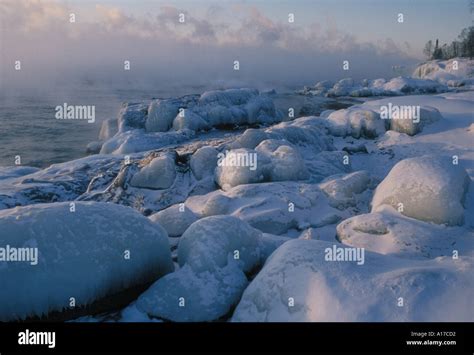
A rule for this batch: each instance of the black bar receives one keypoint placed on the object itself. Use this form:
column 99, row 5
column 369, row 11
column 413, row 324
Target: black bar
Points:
column 259, row 337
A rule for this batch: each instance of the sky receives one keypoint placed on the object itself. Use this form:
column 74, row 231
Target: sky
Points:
column 201, row 51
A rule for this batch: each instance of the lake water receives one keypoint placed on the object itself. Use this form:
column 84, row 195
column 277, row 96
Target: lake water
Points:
column 29, row 129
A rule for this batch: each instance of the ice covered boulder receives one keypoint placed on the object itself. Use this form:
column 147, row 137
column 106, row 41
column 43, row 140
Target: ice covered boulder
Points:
column 270, row 207
column 160, row 173
column 306, row 281
column 190, row 296
column 137, row 140
column 214, row 241
column 241, row 166
column 412, row 120
column 389, row 232
column 342, row 88
column 428, row 188
column 356, row 122
column 250, row 139
column 286, row 161
column 96, row 251
column 214, row 253
column 161, row 114
column 342, row 189
column 174, row 219
column 451, row 72
column 404, row 86
column 132, row 116
column 303, row 131
column 235, row 107
column 204, row 162
column 189, row 120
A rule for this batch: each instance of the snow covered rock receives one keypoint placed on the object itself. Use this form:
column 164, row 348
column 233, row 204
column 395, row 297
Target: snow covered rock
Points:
column 356, row 122
column 404, row 86
column 212, row 241
column 302, row 282
column 427, row 188
column 304, row 131
column 452, row 72
column 388, row 232
column 250, row 139
column 160, row 173
column 286, row 161
column 204, row 162
column 214, row 253
column 189, row 120
column 138, row 140
column 241, row 166
column 235, row 107
column 161, row 114
column 342, row 87
column 271, row 207
column 412, row 122
column 174, row 219
column 342, row 189
column 80, row 254
column 190, row 296
column 132, row 116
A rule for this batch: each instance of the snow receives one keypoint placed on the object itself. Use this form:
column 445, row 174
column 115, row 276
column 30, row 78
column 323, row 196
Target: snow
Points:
column 138, row 140
column 403, row 85
column 190, row 296
column 445, row 72
column 298, row 284
column 427, row 188
column 250, row 139
column 310, row 190
column 274, row 208
column 231, row 173
column 204, row 162
column 160, row 173
column 213, row 253
column 211, row 241
column 82, row 251
column 356, row 122
column 286, row 161
column 378, row 87
column 190, row 120
column 411, row 126
column 132, row 116
column 342, row 189
column 174, row 219
column 390, row 233
column 161, row 114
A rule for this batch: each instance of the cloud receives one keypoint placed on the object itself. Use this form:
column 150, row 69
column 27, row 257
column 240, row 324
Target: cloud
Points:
column 161, row 49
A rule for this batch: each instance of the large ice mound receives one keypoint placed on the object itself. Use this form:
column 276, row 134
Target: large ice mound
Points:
column 427, row 188
column 81, row 254
column 299, row 283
